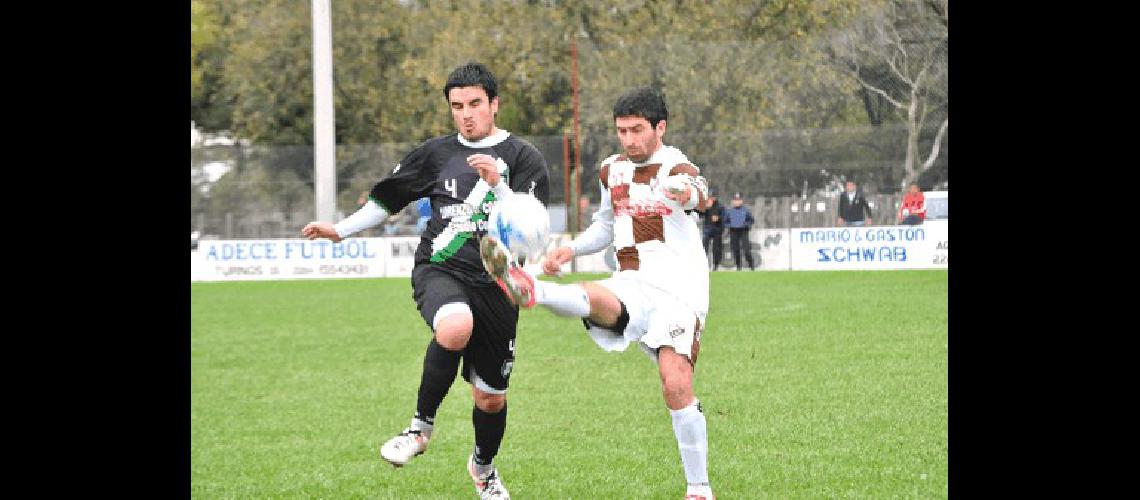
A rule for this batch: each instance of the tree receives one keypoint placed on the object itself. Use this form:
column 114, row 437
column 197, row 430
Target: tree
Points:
column 739, row 79
column 207, row 51
column 899, row 55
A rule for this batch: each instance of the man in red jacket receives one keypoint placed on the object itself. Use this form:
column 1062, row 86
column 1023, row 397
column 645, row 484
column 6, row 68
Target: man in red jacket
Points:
column 913, row 209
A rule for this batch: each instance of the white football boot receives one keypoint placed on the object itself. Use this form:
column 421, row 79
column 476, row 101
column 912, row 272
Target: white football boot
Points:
column 400, row 450
column 489, row 487
column 501, row 265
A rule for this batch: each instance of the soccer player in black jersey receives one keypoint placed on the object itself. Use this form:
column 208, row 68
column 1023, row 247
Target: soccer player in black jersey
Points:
column 471, row 318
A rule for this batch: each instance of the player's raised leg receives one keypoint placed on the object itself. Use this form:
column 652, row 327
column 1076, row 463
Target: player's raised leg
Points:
column 579, row 300
column 501, row 265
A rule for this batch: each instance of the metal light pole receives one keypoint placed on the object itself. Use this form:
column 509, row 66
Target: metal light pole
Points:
column 324, row 125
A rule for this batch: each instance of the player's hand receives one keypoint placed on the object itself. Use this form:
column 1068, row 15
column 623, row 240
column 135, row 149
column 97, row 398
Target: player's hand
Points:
column 552, row 265
column 715, row 218
column 681, row 196
column 314, row 230
column 485, row 165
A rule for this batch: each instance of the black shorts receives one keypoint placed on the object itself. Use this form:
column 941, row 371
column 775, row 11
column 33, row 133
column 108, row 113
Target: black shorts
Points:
column 490, row 352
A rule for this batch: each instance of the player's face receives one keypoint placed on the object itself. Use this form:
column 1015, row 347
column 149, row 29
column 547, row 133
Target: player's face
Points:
column 638, row 138
column 474, row 114
column 850, row 187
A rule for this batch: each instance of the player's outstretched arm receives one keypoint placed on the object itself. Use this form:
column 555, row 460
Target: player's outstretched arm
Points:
column 367, row 216
column 320, row 229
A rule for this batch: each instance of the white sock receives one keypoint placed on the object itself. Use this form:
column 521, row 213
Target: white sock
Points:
column 563, row 300
column 424, row 427
column 692, row 441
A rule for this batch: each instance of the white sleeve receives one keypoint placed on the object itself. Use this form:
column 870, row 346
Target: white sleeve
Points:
column 601, row 231
column 367, row 216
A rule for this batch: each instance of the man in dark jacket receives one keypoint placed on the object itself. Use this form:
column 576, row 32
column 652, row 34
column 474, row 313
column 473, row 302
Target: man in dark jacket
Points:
column 712, row 221
column 852, row 206
column 739, row 220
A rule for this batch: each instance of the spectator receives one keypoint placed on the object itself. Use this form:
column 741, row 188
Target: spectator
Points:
column 852, row 206
column 423, row 207
column 739, row 220
column 913, row 209
column 712, row 221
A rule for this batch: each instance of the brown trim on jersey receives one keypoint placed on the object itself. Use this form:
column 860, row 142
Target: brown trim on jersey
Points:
column 628, row 260
column 604, row 175
column 696, row 347
column 645, row 173
column 684, row 168
column 648, row 228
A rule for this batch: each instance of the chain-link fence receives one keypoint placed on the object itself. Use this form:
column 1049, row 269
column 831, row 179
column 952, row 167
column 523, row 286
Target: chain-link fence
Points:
column 267, row 192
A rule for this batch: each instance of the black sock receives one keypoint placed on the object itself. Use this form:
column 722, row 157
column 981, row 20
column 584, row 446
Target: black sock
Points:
column 440, row 368
column 489, row 430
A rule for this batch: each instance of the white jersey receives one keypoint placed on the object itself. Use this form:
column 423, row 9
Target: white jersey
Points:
column 657, row 242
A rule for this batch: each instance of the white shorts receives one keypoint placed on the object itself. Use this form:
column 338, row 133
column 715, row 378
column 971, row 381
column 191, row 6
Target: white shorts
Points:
column 656, row 319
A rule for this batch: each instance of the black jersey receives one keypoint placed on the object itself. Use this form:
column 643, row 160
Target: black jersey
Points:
column 460, row 199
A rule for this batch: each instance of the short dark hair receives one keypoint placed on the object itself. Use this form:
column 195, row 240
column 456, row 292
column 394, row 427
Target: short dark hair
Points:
column 472, row 74
column 645, row 102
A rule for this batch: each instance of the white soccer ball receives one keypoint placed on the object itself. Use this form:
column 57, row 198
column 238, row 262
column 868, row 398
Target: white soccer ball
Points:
column 522, row 224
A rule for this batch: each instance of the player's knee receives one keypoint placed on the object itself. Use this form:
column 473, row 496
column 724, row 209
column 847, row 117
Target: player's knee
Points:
column 678, row 392
column 676, row 378
column 453, row 331
column 490, row 403
column 605, row 308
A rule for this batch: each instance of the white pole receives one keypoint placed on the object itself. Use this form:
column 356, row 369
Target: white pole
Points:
column 324, row 132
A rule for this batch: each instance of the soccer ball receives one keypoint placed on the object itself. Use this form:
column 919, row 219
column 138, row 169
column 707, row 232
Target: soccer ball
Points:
column 522, row 224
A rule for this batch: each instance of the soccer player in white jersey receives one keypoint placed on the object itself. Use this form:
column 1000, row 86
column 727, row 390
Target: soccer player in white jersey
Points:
column 658, row 297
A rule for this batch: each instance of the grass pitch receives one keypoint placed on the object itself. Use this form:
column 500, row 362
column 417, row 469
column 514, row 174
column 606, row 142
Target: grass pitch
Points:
column 814, row 384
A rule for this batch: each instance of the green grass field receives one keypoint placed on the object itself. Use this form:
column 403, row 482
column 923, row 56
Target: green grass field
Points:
column 815, row 385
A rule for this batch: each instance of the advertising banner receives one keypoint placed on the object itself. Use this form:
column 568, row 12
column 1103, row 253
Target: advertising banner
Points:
column 924, row 246
column 239, row 260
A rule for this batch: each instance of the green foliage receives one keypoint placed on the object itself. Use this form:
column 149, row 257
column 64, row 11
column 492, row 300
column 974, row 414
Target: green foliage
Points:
column 736, row 65
column 741, row 78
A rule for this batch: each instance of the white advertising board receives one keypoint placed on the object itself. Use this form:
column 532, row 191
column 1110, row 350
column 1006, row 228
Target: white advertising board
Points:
column 925, row 246
column 400, row 255
column 772, row 249
column 240, row 260
column 838, row 248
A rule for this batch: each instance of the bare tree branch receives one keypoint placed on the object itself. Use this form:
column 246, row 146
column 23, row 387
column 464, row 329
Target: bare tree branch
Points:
column 937, row 145
column 899, row 73
column 872, row 88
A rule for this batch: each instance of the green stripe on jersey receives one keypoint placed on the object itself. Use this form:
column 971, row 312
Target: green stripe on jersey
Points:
column 458, row 238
